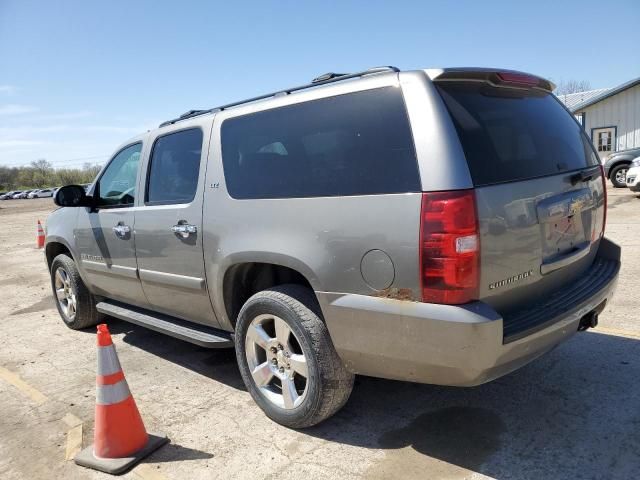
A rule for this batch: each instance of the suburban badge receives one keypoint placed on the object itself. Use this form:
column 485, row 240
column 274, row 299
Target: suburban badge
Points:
column 507, row 281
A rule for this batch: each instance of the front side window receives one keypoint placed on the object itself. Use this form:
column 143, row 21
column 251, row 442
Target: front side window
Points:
column 354, row 144
column 174, row 168
column 117, row 185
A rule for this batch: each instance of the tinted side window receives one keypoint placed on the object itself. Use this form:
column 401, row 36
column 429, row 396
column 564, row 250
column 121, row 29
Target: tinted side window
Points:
column 510, row 134
column 174, row 167
column 354, row 144
column 117, row 185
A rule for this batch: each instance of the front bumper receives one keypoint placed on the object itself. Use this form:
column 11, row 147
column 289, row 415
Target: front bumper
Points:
column 462, row 345
column 633, row 179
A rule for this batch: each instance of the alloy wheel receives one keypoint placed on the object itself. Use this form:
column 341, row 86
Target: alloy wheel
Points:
column 64, row 293
column 276, row 361
column 621, row 176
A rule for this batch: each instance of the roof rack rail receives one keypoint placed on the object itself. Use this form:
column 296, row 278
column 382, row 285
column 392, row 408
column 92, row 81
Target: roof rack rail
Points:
column 327, row 76
column 321, row 80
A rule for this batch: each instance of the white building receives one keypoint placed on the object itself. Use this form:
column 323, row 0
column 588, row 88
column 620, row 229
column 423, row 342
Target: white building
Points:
column 610, row 116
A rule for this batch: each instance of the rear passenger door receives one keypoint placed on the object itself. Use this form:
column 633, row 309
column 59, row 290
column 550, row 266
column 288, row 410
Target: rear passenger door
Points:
column 169, row 224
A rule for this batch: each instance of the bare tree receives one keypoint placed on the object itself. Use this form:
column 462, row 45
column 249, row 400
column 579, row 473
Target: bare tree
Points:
column 572, row 86
column 38, row 174
column 43, row 166
column 90, row 171
column 8, row 177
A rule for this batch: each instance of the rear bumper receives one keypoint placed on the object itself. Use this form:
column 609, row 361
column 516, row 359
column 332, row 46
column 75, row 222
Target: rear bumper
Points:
column 448, row 345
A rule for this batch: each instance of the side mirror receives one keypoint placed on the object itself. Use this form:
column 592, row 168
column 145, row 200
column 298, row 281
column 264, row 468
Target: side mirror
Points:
column 72, row 196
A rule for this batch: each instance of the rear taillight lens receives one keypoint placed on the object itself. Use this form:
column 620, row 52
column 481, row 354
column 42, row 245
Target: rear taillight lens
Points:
column 449, row 247
column 518, row 79
column 604, row 192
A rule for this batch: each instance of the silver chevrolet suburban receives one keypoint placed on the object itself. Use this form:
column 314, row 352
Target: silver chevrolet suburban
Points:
column 442, row 226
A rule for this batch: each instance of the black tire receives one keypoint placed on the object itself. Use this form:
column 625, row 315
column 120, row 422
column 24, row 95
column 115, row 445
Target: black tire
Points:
column 615, row 171
column 329, row 383
column 86, row 314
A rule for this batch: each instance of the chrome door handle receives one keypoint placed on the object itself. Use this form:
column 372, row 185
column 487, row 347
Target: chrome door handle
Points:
column 121, row 230
column 184, row 229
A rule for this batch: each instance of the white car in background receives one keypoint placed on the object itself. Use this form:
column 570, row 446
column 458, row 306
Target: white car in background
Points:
column 633, row 175
column 9, row 195
column 45, row 192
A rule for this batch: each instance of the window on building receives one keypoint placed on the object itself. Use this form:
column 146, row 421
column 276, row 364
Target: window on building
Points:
column 604, row 141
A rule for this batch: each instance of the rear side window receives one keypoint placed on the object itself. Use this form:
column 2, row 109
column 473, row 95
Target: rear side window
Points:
column 175, row 166
column 511, row 134
column 353, row 144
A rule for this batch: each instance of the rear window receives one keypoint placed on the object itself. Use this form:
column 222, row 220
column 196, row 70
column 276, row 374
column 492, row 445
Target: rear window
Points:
column 353, row 144
column 510, row 134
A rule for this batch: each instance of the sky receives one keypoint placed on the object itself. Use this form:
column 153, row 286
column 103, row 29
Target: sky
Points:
column 78, row 78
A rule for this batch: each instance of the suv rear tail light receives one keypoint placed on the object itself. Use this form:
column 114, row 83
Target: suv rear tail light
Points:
column 604, row 192
column 518, row 79
column 449, row 247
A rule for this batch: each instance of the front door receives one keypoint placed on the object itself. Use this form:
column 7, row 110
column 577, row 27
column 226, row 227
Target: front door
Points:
column 604, row 140
column 169, row 226
column 105, row 233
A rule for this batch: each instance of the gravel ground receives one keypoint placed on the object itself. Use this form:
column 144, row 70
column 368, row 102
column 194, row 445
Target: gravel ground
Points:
column 574, row 413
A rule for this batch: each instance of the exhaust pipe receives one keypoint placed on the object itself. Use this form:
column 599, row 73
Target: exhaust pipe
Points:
column 590, row 320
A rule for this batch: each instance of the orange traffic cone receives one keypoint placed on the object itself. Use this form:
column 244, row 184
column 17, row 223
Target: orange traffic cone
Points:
column 120, row 439
column 39, row 236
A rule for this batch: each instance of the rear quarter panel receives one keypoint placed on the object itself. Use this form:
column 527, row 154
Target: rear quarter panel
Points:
column 322, row 238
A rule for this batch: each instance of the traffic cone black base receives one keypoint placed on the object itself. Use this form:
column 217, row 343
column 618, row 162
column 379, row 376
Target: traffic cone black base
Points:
column 116, row 466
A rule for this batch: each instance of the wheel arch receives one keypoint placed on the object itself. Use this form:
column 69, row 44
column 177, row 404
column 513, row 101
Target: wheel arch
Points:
column 54, row 247
column 617, row 163
column 243, row 279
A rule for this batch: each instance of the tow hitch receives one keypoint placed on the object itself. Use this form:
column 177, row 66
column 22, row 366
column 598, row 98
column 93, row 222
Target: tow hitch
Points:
column 590, row 320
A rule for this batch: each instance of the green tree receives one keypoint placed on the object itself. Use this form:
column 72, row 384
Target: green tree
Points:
column 40, row 173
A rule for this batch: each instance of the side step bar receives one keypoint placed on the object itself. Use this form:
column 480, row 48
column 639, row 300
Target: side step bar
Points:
column 191, row 332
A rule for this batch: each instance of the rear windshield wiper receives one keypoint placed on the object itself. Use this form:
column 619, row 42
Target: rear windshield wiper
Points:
column 584, row 175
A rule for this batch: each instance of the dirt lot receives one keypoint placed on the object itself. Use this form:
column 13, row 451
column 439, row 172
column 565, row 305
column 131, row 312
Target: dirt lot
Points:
column 575, row 413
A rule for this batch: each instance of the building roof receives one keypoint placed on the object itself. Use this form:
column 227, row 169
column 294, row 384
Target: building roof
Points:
column 604, row 94
column 570, row 100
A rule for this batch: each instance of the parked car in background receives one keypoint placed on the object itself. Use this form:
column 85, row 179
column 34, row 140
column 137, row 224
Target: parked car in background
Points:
column 14, row 195
column 633, row 175
column 43, row 193
column 616, row 165
column 9, row 195
column 25, row 194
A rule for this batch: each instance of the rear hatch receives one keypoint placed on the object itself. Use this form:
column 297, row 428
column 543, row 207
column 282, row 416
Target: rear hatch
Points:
column 539, row 188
